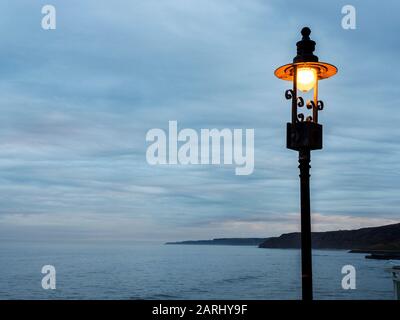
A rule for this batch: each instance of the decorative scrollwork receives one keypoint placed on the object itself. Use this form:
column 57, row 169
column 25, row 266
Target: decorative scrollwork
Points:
column 300, row 102
column 289, row 94
column 309, row 119
column 320, row 105
column 310, row 104
column 300, row 116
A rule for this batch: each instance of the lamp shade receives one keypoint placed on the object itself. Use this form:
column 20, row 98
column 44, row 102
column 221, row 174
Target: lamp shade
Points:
column 323, row 70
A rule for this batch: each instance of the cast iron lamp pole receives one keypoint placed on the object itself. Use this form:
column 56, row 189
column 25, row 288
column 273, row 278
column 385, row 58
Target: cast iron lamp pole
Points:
column 306, row 256
column 305, row 134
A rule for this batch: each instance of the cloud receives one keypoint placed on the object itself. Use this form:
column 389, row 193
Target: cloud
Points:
column 77, row 103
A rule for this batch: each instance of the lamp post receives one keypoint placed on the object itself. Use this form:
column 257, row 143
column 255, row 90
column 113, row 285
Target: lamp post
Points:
column 304, row 134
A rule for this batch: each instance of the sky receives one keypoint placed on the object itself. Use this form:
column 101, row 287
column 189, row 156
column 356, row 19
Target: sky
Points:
column 76, row 104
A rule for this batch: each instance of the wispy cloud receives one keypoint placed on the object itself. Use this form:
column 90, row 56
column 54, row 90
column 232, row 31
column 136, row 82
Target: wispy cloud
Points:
column 77, row 102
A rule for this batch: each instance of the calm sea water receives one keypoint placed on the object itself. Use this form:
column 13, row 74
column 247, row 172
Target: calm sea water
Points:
column 129, row 271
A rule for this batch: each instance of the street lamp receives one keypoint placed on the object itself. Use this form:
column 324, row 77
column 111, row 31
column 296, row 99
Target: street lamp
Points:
column 304, row 134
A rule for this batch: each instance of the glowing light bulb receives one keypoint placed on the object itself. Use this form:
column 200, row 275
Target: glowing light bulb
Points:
column 306, row 78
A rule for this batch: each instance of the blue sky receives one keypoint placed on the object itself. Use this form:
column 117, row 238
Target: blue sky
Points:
column 76, row 103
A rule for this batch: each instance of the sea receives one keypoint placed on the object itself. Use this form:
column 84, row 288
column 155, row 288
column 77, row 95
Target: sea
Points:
column 115, row 270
